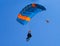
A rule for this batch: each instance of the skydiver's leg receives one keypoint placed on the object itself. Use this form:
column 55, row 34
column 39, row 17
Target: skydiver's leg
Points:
column 27, row 39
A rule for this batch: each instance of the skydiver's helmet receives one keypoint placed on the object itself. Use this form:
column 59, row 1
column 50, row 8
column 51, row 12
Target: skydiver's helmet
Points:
column 29, row 31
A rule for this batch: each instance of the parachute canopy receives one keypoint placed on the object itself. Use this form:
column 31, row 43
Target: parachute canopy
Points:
column 28, row 12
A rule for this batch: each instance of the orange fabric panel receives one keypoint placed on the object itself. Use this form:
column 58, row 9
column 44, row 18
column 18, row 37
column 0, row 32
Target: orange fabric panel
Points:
column 27, row 19
column 23, row 17
column 33, row 5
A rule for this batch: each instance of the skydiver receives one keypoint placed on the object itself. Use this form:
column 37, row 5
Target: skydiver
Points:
column 28, row 35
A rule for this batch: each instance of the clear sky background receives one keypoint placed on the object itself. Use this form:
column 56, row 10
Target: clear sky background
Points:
column 13, row 33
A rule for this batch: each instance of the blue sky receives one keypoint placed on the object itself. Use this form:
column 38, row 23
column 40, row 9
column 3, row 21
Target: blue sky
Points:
column 13, row 33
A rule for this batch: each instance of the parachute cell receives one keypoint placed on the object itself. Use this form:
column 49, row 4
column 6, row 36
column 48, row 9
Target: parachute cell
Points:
column 28, row 12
